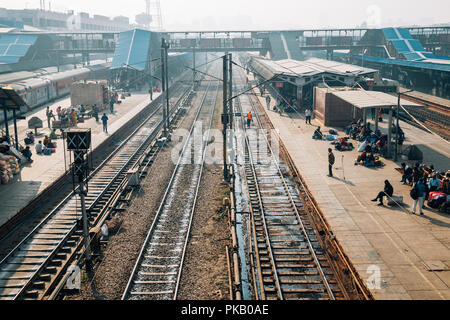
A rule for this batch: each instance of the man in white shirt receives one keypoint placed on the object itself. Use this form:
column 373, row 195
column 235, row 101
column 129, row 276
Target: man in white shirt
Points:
column 308, row 116
column 39, row 147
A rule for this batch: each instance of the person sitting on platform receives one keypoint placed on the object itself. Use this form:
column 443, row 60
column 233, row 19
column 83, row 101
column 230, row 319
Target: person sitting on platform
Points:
column 370, row 162
column 48, row 143
column 29, row 138
column 407, row 174
column 53, row 135
column 388, row 191
column 39, row 147
column 361, row 158
column 350, row 127
column 27, row 153
column 318, row 135
column 434, row 184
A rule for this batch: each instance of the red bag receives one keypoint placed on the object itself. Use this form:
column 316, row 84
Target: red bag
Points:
column 53, row 150
column 159, row 89
column 435, row 194
column 154, row 89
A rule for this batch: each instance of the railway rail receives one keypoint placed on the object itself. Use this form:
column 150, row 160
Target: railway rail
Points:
column 32, row 269
column 158, row 269
column 290, row 261
column 437, row 115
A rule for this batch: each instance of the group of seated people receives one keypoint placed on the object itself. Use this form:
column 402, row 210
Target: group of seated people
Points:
column 47, row 147
column 343, row 145
column 369, row 160
column 437, row 185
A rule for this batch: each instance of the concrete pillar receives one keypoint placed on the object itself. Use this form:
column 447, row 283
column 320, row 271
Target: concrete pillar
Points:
column 377, row 116
column 389, row 132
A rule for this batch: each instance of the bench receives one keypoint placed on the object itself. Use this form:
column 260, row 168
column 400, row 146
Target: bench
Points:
column 394, row 200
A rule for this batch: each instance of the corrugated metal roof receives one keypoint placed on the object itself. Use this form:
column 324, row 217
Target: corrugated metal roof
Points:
column 415, row 64
column 313, row 66
column 132, row 49
column 371, row 99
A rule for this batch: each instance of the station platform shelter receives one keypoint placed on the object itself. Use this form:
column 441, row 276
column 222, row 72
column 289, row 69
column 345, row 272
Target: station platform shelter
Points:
column 295, row 79
column 411, row 253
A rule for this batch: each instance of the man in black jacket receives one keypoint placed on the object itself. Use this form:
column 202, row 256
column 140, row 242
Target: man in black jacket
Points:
column 388, row 191
column 330, row 162
column 407, row 174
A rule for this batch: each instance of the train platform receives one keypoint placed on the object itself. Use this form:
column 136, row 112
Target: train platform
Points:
column 411, row 252
column 34, row 178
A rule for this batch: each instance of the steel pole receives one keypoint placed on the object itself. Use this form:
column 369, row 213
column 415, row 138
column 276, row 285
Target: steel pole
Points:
column 163, row 84
column 5, row 113
column 16, row 137
column 396, row 129
column 224, row 116
column 166, row 60
column 193, row 64
column 230, row 91
column 85, row 227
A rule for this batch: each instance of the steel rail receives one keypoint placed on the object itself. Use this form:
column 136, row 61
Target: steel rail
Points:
column 196, row 193
column 162, row 204
column 293, row 205
column 70, row 225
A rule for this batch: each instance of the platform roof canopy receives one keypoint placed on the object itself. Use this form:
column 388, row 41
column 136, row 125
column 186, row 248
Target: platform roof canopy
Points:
column 14, row 47
column 372, row 99
column 311, row 67
column 10, row 99
column 132, row 50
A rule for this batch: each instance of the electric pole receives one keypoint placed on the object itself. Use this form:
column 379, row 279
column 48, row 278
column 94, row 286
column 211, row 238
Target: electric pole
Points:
column 163, row 82
column 225, row 116
column 230, row 91
column 166, row 60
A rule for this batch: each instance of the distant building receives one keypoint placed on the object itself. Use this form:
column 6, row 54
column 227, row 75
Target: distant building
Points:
column 58, row 21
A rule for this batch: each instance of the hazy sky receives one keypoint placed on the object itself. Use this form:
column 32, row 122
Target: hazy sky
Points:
column 263, row 14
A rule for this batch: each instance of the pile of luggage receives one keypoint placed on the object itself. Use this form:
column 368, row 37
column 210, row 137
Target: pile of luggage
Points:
column 343, row 145
column 9, row 167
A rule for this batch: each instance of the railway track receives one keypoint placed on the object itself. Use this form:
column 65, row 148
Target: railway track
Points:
column 31, row 270
column 158, row 269
column 290, row 261
column 435, row 114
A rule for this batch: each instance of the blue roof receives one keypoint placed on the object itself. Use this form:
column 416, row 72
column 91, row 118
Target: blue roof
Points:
column 413, row 56
column 14, row 47
column 400, row 46
column 405, row 33
column 132, row 49
column 414, row 64
column 390, row 34
column 405, row 44
column 416, row 45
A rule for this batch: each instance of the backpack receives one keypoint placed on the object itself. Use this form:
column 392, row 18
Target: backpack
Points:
column 414, row 193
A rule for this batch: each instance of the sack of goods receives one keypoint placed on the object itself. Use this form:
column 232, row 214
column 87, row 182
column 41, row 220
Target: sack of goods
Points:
column 9, row 166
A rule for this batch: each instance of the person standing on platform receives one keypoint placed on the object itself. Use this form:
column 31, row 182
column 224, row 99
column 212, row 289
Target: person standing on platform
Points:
column 249, row 119
column 331, row 160
column 268, row 102
column 95, row 112
column 308, row 116
column 74, row 117
column 49, row 114
column 420, row 190
column 105, row 123
column 111, row 106
column 150, row 91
